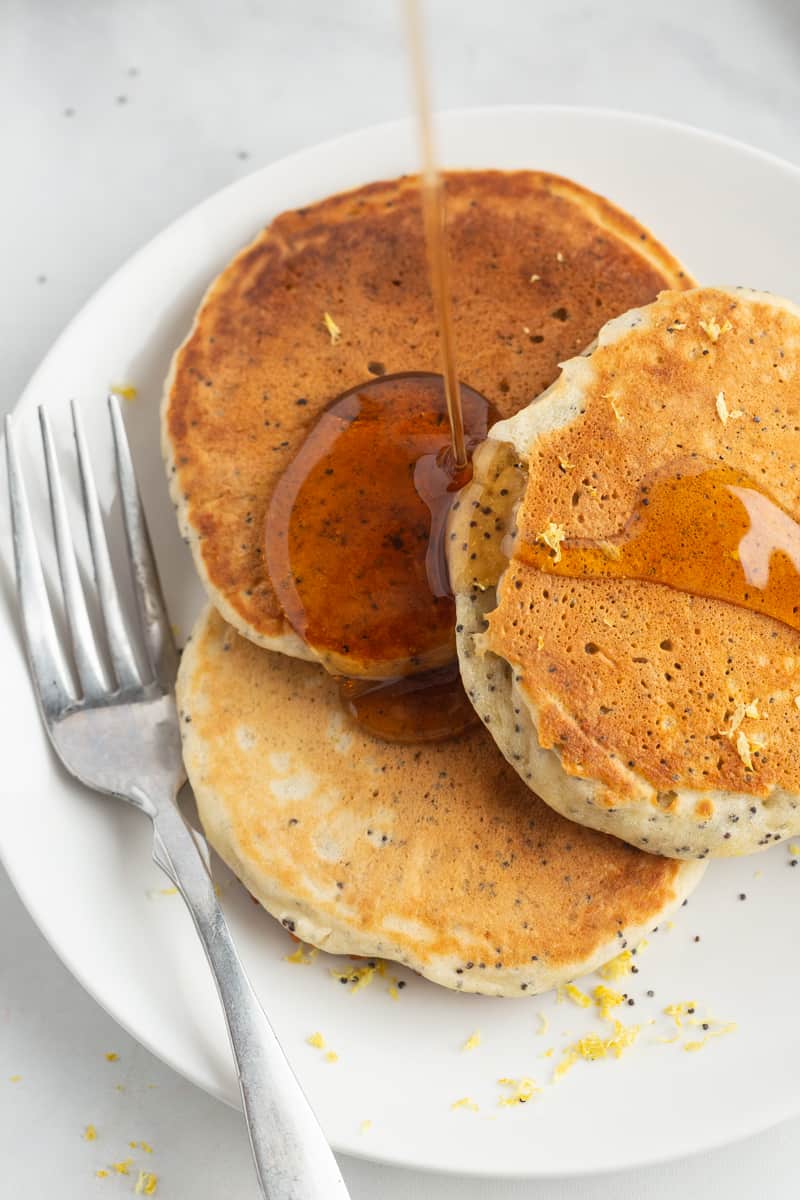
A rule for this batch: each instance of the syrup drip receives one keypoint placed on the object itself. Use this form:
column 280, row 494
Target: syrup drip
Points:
column 713, row 532
column 354, row 536
column 417, row 708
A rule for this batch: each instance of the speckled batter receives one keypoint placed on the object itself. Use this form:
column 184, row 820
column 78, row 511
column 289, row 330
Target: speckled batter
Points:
column 668, row 718
column 435, row 855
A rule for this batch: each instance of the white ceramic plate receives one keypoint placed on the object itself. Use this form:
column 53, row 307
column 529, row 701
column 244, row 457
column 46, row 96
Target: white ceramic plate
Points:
column 81, row 862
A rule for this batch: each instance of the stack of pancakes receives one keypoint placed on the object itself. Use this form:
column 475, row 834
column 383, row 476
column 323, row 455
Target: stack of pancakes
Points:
column 443, row 856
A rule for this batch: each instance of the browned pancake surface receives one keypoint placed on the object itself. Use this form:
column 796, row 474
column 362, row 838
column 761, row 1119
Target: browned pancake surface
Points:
column 260, row 365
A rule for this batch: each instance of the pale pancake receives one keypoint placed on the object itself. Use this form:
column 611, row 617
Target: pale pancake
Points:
column 436, row 855
column 259, row 365
column 631, row 706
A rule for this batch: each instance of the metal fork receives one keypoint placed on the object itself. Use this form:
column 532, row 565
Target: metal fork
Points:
column 120, row 735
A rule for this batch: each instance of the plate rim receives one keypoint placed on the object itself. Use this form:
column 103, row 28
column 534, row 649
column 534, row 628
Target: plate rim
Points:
column 772, row 1115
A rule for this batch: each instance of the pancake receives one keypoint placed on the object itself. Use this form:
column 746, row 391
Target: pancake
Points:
column 538, row 264
column 665, row 712
column 435, row 855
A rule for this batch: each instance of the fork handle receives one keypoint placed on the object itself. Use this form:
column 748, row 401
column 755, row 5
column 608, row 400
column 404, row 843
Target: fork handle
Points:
column 293, row 1160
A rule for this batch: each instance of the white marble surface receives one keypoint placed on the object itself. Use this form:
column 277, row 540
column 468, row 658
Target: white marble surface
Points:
column 116, row 116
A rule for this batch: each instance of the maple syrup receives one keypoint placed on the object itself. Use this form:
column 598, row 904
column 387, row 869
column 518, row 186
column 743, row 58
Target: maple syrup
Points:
column 415, row 708
column 712, row 531
column 355, row 531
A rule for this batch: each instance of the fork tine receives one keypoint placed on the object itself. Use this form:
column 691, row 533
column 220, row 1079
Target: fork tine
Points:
column 149, row 598
column 84, row 648
column 49, row 670
column 123, row 659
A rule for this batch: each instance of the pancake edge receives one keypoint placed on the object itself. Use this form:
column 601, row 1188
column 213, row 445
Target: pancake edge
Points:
column 677, row 833
column 338, row 938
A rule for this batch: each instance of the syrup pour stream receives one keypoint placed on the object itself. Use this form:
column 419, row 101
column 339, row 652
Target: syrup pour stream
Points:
column 355, row 532
column 434, row 213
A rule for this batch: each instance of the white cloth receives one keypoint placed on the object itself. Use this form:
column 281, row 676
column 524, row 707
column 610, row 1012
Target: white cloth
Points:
column 117, row 116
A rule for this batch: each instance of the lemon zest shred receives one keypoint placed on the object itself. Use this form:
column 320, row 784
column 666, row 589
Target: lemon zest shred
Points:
column 123, row 1167
column 728, row 1027
column 592, row 1047
column 544, row 1025
column 473, row 1041
column 316, row 1040
column 739, row 714
column 365, row 1126
column 126, row 390
column 712, row 328
column 332, row 328
column 617, row 967
column 90, row 1134
column 146, row 1184
column 303, row 956
column 606, row 999
column 361, row 977
column 573, row 993
column 520, row 1091
column 552, row 537
column 721, row 407
column 464, row 1102
column 743, row 749
column 679, row 1011
column 112, row 1056
column 101, row 1173
column 567, row 1062
column 331, row 1056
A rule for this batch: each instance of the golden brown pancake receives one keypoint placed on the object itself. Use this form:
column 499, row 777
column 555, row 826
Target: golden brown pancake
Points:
column 538, row 264
column 434, row 855
column 658, row 706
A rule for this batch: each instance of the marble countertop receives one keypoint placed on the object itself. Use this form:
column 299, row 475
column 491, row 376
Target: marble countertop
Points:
column 116, row 117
